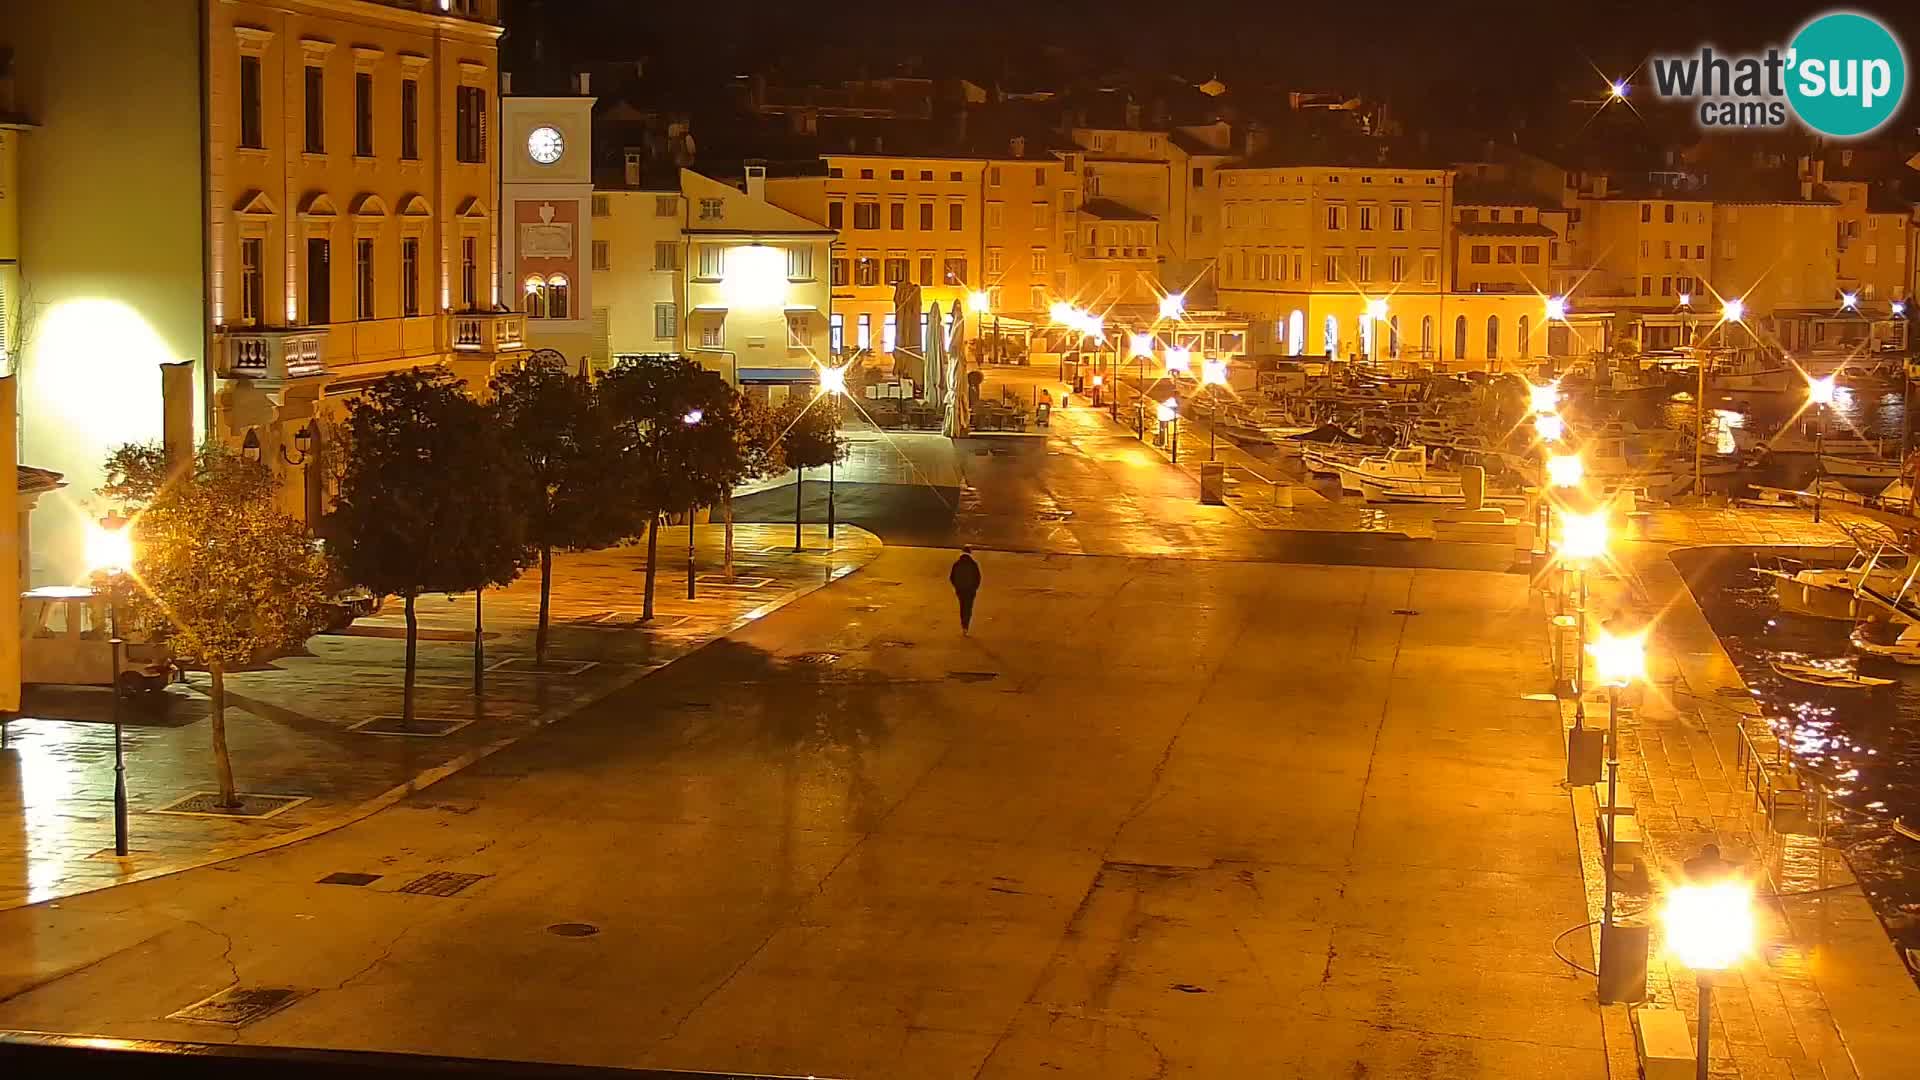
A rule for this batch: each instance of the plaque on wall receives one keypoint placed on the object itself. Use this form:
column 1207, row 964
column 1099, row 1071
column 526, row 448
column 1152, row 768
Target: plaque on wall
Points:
column 547, row 238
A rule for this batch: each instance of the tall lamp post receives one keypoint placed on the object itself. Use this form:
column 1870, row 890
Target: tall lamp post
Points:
column 1709, row 928
column 693, row 417
column 1141, row 347
column 833, row 384
column 1170, row 418
column 110, row 550
column 1213, row 372
column 1820, row 393
column 1617, row 662
column 1583, row 538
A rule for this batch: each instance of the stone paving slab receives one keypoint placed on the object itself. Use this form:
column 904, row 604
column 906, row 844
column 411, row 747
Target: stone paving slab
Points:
column 292, row 725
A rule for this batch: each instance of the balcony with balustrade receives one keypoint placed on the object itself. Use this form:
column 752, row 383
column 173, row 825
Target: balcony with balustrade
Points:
column 484, row 334
column 271, row 356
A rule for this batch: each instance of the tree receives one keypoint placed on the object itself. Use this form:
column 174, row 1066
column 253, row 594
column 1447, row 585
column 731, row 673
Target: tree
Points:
column 224, row 575
column 756, row 455
column 810, row 437
column 569, row 467
column 426, row 500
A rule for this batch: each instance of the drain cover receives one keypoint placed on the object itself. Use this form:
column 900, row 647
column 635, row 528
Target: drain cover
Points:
column 346, row 877
column 573, row 929
column 1404, row 611
column 972, row 676
column 440, row 883
column 238, row 1006
column 816, row 658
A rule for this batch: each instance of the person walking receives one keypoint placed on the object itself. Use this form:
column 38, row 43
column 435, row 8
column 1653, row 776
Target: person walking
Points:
column 965, row 577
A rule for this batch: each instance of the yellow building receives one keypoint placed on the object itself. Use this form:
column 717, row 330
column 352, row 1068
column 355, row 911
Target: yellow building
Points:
column 640, row 252
column 1171, row 177
column 1875, row 266
column 1645, row 252
column 306, row 202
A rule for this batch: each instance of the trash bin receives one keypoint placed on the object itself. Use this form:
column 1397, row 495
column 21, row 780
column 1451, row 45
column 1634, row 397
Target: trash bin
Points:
column 1213, row 483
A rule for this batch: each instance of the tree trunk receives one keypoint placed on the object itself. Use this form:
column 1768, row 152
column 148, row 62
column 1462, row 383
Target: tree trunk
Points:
column 726, row 508
column 413, row 634
column 546, row 593
column 653, row 546
column 222, row 760
column 799, row 481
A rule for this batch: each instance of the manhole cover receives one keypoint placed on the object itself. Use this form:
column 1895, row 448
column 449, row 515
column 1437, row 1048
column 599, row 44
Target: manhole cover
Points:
column 207, row 804
column 527, row 665
column 972, row 676
column 238, row 1006
column 424, row 727
column 1404, row 611
column 816, row 657
column 440, row 883
column 347, row 877
column 573, row 929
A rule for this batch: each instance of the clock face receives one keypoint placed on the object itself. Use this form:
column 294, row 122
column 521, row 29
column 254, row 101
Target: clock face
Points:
column 544, row 145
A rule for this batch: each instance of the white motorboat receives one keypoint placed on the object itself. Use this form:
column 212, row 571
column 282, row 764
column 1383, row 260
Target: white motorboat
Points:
column 1824, row 592
column 1859, row 468
column 1401, row 475
column 1329, row 459
column 1903, row 649
column 1753, row 373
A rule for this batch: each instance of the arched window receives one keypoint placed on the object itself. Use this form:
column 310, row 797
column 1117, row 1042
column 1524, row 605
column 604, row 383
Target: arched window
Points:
column 1493, row 337
column 1526, row 347
column 557, row 297
column 1460, row 337
column 536, row 297
column 1426, row 337
column 1393, row 337
column 1297, row 331
column 1363, row 333
column 1330, row 336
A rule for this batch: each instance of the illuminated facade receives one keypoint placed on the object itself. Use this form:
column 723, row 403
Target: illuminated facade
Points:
column 1170, row 176
column 306, row 203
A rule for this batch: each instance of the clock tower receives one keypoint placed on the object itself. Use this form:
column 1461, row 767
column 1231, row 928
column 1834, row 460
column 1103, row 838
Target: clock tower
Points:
column 546, row 202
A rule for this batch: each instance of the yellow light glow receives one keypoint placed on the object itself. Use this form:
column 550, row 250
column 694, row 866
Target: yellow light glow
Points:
column 833, row 380
column 1565, row 470
column 1544, row 399
column 1618, row 661
column 1557, row 307
column 1141, row 345
column 979, row 302
column 1710, row 927
column 1376, row 309
column 1169, row 409
column 1213, row 372
column 1733, row 309
column 1062, row 312
column 1617, row 90
column 1549, row 427
column 1179, row 360
column 1098, row 379
column 109, row 549
column 1820, row 391
column 755, row 277
column 1686, row 299
column 1583, row 536
column 1850, row 301
column 1173, row 306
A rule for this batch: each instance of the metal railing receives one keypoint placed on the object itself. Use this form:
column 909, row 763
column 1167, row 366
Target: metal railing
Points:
column 35, row 1054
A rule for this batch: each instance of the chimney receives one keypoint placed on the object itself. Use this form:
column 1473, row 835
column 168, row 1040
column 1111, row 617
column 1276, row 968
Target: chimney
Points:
column 1017, row 146
column 1133, row 115
column 757, row 182
column 506, row 84
column 1820, row 169
column 634, row 157
column 583, row 83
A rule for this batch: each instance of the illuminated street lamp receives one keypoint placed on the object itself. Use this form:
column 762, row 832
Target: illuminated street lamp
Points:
column 1617, row 662
column 1565, row 470
column 1179, row 361
column 1583, row 538
column 1849, row 301
column 1820, row 395
column 1213, row 372
column 692, row 419
column 110, row 552
column 1173, row 306
column 1544, row 399
column 1733, row 309
column 1709, row 928
column 1617, row 90
column 1556, row 309
column 1170, row 418
column 1549, row 427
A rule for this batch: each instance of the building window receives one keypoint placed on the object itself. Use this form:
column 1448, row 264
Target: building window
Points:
column 1336, row 217
column 993, row 180
column 1530, row 255
column 1482, row 254
column 251, row 135
column 994, row 268
column 536, row 290
column 926, row 216
column 363, row 278
column 926, row 270
column 1039, row 263
column 1460, row 337
column 665, row 254
column 996, row 215
column 836, row 172
column 896, row 269
column 799, row 264
column 955, row 271
column 1666, row 286
column 713, row 262
column 836, row 215
column 837, row 333
column 600, row 259
column 666, row 205
column 1332, row 268
column 252, row 294
column 863, row 332
column 1364, row 263
column 1666, row 250
column 1646, row 285
column 1366, row 218
column 1525, row 330
column 666, row 322
column 799, row 330
column 1396, row 268
column 1426, row 336
column 1669, row 213
column 1037, row 297
column 410, row 275
column 714, row 334
column 1469, row 216
column 1399, row 219
column 866, row 270
column 955, row 176
column 1199, row 225
column 1043, row 215
column 1646, row 213
column 410, row 119
column 713, row 209
column 956, row 216
column 1493, row 337
column 897, row 174
column 1506, row 255
column 316, row 105
column 897, row 215
column 1493, row 215
column 363, row 114
column 470, row 125
column 866, row 215
column 557, row 297
column 838, row 270
column 1393, row 337
column 469, row 273
column 602, row 206
column 887, row 332
column 866, row 174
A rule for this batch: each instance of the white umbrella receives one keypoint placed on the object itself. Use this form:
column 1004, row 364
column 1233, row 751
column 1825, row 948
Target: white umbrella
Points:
column 934, row 368
column 959, row 412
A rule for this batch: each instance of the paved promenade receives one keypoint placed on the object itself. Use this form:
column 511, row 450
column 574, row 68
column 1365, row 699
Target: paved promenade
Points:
column 296, row 727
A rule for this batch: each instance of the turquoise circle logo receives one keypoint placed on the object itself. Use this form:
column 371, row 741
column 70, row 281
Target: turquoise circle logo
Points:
column 1846, row 74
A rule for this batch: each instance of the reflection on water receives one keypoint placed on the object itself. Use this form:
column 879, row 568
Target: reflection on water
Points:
column 1862, row 745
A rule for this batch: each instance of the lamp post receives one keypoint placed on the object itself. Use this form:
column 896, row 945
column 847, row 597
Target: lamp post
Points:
column 1617, row 662
column 693, row 417
column 1170, row 418
column 1141, row 347
column 1213, row 372
column 979, row 302
column 1709, row 928
column 110, row 550
column 833, row 383
column 1583, row 538
column 1820, row 393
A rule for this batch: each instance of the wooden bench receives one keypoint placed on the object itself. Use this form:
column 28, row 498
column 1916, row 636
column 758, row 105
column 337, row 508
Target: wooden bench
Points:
column 1626, row 845
column 1664, row 1045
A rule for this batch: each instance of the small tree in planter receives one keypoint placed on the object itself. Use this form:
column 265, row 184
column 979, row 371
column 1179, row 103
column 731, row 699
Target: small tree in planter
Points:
column 223, row 574
column 426, row 500
column 756, row 455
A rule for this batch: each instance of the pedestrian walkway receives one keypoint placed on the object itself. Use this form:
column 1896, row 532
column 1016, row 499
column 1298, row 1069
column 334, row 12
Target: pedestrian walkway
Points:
column 319, row 735
column 1823, row 994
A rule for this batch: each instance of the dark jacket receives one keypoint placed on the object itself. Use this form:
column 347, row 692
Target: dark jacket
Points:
column 965, row 575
